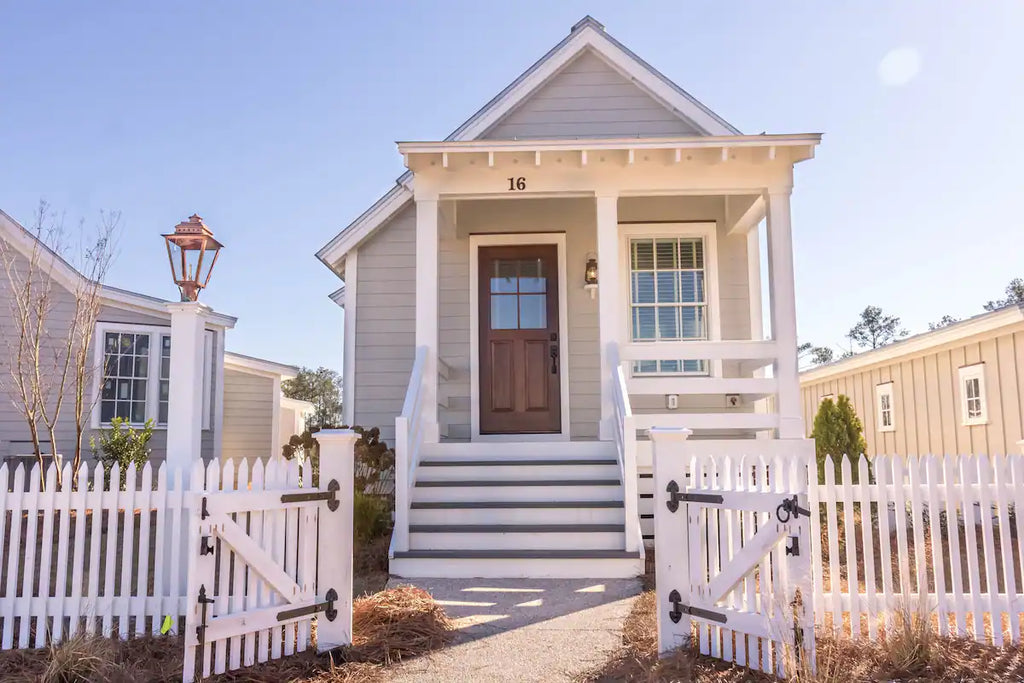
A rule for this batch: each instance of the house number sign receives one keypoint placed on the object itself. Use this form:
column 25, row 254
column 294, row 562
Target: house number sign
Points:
column 516, row 184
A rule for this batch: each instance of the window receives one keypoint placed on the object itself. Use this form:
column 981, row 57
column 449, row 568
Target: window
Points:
column 973, row 408
column 165, row 379
column 668, row 298
column 886, row 417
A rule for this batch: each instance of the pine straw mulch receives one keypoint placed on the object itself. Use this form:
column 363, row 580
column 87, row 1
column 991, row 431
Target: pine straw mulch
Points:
column 388, row 627
column 908, row 654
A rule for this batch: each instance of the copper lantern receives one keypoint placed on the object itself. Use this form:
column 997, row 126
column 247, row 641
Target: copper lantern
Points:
column 193, row 252
column 590, row 273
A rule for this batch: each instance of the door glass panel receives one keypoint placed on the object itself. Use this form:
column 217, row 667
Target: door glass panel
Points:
column 531, row 276
column 503, row 277
column 533, row 311
column 504, row 314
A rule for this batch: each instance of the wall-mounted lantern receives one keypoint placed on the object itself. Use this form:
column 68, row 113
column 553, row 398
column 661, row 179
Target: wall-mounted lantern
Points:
column 193, row 252
column 590, row 275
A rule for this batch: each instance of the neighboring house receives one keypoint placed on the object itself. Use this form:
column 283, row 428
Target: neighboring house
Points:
column 586, row 244
column 258, row 418
column 957, row 389
column 134, row 346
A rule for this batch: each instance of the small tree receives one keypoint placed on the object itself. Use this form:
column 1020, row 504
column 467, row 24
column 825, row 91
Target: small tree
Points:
column 322, row 388
column 875, row 329
column 838, row 432
column 1014, row 295
column 122, row 445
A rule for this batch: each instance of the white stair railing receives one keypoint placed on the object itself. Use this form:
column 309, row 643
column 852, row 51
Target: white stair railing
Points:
column 625, row 442
column 410, row 427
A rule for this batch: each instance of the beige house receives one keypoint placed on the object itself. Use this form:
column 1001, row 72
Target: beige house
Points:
column 958, row 389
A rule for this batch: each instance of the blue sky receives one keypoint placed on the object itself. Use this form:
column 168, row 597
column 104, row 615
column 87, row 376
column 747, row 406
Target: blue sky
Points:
column 276, row 122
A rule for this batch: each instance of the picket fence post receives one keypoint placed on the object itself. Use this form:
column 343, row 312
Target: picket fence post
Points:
column 334, row 557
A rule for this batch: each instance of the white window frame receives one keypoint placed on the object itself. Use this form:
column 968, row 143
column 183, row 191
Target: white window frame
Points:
column 155, row 333
column 708, row 231
column 885, row 389
column 967, row 374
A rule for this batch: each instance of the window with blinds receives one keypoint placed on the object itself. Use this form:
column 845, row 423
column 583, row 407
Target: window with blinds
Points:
column 668, row 298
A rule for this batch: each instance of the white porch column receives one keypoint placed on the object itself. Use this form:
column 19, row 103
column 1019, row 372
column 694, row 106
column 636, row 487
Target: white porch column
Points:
column 185, row 400
column 427, row 306
column 783, row 312
column 609, row 309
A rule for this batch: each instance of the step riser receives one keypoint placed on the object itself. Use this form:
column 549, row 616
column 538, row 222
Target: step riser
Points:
column 519, row 516
column 603, row 568
column 603, row 540
column 515, row 493
column 520, row 450
column 517, row 472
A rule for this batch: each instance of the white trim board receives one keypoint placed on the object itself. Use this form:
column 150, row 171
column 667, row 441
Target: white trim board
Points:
column 348, row 378
column 512, row 239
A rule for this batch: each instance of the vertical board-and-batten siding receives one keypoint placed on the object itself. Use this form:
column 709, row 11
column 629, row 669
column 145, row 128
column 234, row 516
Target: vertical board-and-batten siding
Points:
column 589, row 98
column 386, row 322
column 248, row 415
column 926, row 397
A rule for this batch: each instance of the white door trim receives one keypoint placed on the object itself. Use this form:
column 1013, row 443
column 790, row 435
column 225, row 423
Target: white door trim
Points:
column 511, row 239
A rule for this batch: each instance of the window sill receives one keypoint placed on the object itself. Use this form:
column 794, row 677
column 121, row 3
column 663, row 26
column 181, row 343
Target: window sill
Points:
column 976, row 422
column 886, row 430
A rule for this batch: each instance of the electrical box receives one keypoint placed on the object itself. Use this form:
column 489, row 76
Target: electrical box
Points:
column 732, row 400
column 672, row 401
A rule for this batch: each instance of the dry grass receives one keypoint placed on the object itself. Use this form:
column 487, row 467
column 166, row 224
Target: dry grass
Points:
column 370, row 566
column 910, row 651
column 389, row 626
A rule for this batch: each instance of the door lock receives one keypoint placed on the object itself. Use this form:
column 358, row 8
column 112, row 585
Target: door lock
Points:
column 554, row 359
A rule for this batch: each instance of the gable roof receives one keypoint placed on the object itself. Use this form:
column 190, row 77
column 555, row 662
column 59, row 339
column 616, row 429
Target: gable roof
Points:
column 586, row 34
column 978, row 324
column 15, row 234
column 259, row 366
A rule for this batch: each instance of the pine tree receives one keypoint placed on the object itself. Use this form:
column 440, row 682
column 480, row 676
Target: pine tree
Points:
column 838, row 432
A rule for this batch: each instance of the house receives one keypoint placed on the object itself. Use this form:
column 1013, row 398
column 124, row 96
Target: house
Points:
column 575, row 263
column 136, row 346
column 957, row 389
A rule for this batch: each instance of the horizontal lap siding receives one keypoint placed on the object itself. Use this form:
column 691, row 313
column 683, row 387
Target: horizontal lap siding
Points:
column 248, row 415
column 386, row 323
column 926, row 395
column 588, row 98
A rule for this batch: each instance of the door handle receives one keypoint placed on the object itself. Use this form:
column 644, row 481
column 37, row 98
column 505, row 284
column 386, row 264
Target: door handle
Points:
column 554, row 359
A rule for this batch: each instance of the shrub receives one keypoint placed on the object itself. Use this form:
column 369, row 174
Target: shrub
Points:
column 122, row 445
column 838, row 432
column 371, row 516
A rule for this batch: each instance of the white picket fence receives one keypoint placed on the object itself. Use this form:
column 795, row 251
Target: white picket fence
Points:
column 937, row 537
column 98, row 560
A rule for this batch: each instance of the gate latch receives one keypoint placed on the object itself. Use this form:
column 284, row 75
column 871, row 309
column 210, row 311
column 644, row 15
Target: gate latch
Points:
column 675, row 497
column 789, row 507
column 330, row 496
column 679, row 609
column 327, row 607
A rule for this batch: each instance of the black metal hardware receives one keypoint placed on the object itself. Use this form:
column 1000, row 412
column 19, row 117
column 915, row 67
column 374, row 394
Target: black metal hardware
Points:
column 679, row 609
column 204, row 513
column 327, row 607
column 554, row 359
column 201, row 628
column 330, row 496
column 794, row 548
column 790, row 507
column 205, row 546
column 675, row 497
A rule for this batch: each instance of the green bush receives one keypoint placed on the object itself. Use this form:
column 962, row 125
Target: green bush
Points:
column 371, row 516
column 122, row 445
column 838, row 432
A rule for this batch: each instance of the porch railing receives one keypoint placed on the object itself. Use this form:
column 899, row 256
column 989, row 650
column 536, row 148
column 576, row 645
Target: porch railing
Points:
column 625, row 442
column 410, row 428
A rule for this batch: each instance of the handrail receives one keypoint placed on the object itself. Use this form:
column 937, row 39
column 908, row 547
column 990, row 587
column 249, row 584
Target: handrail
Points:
column 625, row 442
column 408, row 437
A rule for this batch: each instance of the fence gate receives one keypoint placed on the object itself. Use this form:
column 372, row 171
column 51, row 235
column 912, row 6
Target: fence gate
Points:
column 254, row 557
column 733, row 550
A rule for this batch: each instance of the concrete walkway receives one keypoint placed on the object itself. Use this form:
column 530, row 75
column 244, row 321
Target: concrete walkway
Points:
column 522, row 629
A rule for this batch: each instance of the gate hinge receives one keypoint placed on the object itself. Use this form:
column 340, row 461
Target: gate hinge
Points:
column 205, row 546
column 330, row 496
column 327, row 607
column 790, row 507
column 679, row 609
column 675, row 497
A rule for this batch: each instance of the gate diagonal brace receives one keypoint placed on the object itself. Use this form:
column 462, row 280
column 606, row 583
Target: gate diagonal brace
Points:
column 675, row 497
column 327, row 607
column 679, row 609
column 330, row 496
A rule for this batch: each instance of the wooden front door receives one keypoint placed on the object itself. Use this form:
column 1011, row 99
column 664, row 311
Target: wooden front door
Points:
column 520, row 362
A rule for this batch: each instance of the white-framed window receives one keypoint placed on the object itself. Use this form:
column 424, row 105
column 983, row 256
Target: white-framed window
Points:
column 134, row 375
column 886, row 417
column 668, row 297
column 973, row 406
